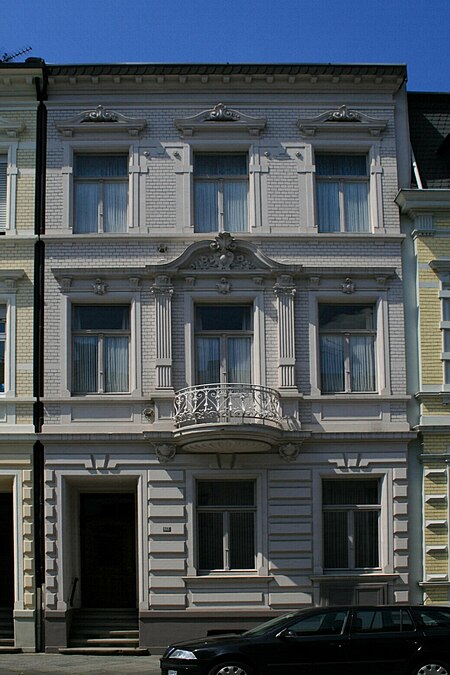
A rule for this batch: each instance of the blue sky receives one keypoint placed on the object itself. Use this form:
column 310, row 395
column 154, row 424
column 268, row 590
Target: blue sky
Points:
column 215, row 31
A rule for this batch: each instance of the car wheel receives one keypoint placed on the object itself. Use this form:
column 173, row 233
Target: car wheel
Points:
column 232, row 668
column 432, row 668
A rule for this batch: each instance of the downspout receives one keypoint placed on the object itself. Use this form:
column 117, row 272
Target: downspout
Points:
column 38, row 351
column 416, row 170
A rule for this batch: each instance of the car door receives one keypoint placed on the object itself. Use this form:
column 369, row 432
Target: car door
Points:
column 316, row 643
column 382, row 640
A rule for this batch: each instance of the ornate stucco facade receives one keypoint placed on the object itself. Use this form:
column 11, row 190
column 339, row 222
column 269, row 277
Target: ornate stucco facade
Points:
column 188, row 390
column 18, row 108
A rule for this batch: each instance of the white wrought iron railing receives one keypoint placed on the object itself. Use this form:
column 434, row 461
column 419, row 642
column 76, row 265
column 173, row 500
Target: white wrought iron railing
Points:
column 236, row 403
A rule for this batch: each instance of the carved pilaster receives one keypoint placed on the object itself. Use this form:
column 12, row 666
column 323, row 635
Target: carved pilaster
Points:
column 284, row 289
column 163, row 291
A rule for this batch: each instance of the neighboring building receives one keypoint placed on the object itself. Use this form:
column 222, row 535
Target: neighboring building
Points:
column 18, row 115
column 426, row 219
column 226, row 431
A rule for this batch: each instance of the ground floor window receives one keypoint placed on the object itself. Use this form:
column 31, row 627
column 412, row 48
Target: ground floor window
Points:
column 351, row 513
column 226, row 512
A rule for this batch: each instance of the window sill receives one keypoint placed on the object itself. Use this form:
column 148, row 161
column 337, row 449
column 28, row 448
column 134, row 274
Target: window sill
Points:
column 227, row 578
column 376, row 396
column 355, row 575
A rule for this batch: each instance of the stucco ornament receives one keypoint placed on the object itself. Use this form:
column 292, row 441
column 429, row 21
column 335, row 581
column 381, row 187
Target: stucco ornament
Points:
column 165, row 452
column 220, row 113
column 343, row 114
column 99, row 287
column 289, row 451
column 100, row 114
column 223, row 286
column 224, row 245
column 348, row 286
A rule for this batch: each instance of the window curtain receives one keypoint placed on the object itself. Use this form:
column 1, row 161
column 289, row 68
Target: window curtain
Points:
column 362, row 363
column 366, row 538
column 208, row 360
column 242, row 540
column 239, row 360
column 116, row 364
column 328, row 207
column 335, row 539
column 332, row 363
column 115, row 206
column 235, row 206
column 206, row 206
column 85, row 368
column 356, row 205
column 86, row 207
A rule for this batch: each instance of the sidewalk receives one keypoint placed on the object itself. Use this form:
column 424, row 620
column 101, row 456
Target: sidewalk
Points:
column 60, row 664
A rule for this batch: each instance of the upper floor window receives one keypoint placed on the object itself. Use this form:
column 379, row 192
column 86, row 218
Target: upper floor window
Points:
column 226, row 512
column 100, row 348
column 347, row 348
column 351, row 512
column 101, row 193
column 223, row 341
column 446, row 338
column 220, row 192
column 2, row 348
column 342, row 185
column 3, row 194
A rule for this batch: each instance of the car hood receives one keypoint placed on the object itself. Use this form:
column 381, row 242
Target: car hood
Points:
column 206, row 641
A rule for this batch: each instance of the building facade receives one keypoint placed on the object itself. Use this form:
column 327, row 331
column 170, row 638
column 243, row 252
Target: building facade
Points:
column 225, row 428
column 426, row 220
column 18, row 116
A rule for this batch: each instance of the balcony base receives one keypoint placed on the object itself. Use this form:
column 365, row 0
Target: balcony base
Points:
column 228, row 438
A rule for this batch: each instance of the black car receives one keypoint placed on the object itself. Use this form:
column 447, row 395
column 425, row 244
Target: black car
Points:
column 386, row 640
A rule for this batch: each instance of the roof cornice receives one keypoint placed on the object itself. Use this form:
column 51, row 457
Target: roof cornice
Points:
column 416, row 201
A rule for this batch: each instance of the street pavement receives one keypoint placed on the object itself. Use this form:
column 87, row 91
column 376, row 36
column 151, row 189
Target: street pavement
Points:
column 73, row 664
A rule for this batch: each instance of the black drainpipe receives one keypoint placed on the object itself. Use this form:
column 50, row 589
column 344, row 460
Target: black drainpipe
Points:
column 38, row 351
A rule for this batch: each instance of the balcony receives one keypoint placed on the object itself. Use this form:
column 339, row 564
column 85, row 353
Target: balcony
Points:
column 227, row 417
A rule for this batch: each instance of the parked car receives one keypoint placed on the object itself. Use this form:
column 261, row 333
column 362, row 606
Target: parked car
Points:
column 385, row 640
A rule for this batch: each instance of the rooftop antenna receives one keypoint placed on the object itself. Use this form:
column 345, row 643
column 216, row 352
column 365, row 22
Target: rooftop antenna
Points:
column 7, row 57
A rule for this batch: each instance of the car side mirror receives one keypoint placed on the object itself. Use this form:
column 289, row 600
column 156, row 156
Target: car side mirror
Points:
column 286, row 634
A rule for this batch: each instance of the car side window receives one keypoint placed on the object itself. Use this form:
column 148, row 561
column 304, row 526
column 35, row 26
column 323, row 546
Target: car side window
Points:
column 325, row 623
column 434, row 618
column 381, row 621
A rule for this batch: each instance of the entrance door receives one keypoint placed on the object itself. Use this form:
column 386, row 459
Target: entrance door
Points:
column 6, row 551
column 108, row 550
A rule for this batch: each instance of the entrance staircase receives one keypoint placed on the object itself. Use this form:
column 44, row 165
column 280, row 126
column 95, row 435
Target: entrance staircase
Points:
column 7, row 632
column 105, row 632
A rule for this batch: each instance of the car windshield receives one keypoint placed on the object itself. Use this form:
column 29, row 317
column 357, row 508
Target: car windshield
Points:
column 273, row 623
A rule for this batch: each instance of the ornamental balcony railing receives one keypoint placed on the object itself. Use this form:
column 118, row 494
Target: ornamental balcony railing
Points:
column 232, row 403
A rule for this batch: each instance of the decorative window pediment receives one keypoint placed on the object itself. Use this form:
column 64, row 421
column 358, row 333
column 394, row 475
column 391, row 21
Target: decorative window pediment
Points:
column 220, row 119
column 102, row 120
column 10, row 129
column 342, row 120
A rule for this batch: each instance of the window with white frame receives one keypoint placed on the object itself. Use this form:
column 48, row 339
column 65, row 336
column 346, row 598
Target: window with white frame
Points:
column 100, row 348
column 226, row 527
column 220, row 192
column 223, row 343
column 351, row 515
column 3, row 193
column 347, row 335
column 446, row 337
column 342, row 189
column 2, row 348
column 100, row 193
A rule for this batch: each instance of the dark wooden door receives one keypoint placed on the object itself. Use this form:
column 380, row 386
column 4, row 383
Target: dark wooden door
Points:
column 6, row 550
column 108, row 550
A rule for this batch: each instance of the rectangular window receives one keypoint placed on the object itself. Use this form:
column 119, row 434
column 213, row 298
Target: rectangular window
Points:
column 100, row 349
column 347, row 348
column 226, row 513
column 3, row 193
column 223, row 342
column 446, row 338
column 2, row 348
column 351, row 512
column 220, row 192
column 342, row 184
column 101, row 193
